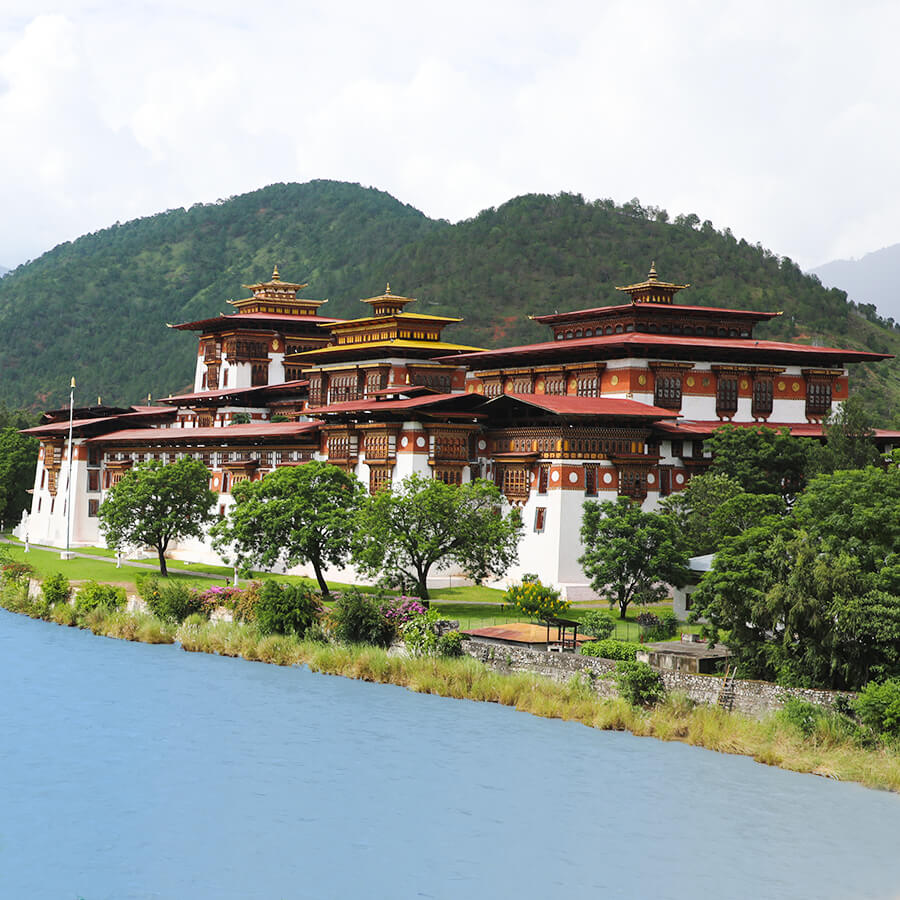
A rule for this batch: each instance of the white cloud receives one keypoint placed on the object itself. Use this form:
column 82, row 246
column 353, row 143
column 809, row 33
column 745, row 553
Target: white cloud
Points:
column 776, row 120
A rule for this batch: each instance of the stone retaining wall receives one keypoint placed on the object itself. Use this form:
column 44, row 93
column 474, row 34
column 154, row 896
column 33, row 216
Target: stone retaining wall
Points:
column 753, row 698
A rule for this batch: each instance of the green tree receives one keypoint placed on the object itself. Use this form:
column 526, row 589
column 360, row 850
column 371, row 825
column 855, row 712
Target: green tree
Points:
column 692, row 509
column 761, row 460
column 296, row 514
column 155, row 504
column 849, row 439
column 630, row 555
column 813, row 598
column 18, row 458
column 407, row 528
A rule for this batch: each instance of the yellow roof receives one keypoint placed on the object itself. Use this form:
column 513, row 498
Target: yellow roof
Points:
column 377, row 320
column 389, row 345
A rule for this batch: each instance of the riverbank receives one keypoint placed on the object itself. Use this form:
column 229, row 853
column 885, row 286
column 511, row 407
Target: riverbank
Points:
column 827, row 751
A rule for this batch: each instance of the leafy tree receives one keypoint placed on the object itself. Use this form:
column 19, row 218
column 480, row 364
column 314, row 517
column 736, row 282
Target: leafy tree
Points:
column 18, row 458
column 286, row 608
column 630, row 555
column 761, row 460
column 692, row 509
column 407, row 528
column 814, row 598
column 295, row 514
column 155, row 504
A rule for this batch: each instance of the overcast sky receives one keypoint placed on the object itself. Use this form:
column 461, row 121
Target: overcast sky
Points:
column 778, row 120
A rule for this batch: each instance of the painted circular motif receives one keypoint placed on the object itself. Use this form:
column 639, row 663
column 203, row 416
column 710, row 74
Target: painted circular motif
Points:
column 554, row 475
column 573, row 477
column 607, row 478
column 745, row 384
column 480, row 389
column 404, row 441
column 690, row 381
column 795, row 386
column 679, row 478
column 614, row 379
column 781, row 385
column 275, row 344
column 651, row 478
column 420, row 441
column 482, row 445
column 470, row 388
column 642, row 379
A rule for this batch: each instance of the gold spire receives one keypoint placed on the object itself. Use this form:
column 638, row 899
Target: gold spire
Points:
column 275, row 275
column 652, row 275
column 652, row 290
column 387, row 290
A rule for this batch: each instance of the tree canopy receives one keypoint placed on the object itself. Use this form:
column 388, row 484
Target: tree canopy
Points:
column 630, row 555
column 407, row 528
column 295, row 514
column 813, row 598
column 155, row 504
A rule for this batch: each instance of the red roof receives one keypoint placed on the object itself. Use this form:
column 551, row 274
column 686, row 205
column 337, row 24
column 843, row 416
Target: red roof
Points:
column 62, row 427
column 234, row 392
column 370, row 405
column 254, row 319
column 576, row 314
column 796, row 429
column 228, row 433
column 589, row 406
column 638, row 338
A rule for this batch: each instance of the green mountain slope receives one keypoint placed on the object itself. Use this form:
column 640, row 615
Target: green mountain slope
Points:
column 97, row 307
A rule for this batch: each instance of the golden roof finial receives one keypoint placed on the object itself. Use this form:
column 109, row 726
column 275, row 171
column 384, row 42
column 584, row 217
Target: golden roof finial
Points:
column 149, row 401
column 652, row 275
column 387, row 290
column 275, row 275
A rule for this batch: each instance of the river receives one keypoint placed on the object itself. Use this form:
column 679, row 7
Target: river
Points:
column 138, row 771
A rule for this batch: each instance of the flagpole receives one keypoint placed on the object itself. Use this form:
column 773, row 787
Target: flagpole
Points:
column 67, row 554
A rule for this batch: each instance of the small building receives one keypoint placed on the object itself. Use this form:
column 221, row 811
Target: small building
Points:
column 698, row 566
column 686, row 655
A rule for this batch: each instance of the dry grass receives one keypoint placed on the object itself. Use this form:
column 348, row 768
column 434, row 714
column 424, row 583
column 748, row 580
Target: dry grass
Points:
column 830, row 751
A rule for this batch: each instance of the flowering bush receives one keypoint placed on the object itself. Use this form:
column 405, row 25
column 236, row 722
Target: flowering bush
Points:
column 536, row 599
column 399, row 610
column 424, row 635
column 15, row 571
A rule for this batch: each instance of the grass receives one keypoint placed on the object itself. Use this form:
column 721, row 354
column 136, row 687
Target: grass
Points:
column 830, row 751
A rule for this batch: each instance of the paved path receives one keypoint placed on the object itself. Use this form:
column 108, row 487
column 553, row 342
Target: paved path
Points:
column 125, row 562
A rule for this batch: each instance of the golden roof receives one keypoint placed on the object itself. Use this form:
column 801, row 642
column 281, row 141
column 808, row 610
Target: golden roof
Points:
column 652, row 290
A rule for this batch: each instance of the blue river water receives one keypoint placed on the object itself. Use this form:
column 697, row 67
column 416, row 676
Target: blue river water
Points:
column 136, row 771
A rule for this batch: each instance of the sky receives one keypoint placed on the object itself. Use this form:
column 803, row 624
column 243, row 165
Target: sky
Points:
column 777, row 120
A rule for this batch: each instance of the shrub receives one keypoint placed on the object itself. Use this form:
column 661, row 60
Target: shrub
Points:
column 450, row 644
column 358, row 619
column 16, row 571
column 803, row 716
column 104, row 597
column 56, row 589
column 647, row 620
column 536, row 599
column 148, row 587
column 658, row 628
column 878, row 706
column 638, row 684
column 287, row 608
column 609, row 649
column 597, row 623
column 399, row 610
column 174, row 601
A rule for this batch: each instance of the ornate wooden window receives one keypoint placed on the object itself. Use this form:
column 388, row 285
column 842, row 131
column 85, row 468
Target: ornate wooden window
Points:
column 514, row 481
column 677, row 449
column 212, row 377
column 450, row 475
column 726, row 395
column 762, row 397
column 540, row 518
column 665, row 481
column 343, row 386
column 293, row 373
column 342, row 446
column 379, row 477
column 93, row 480
column 587, row 386
column 555, row 384
column 259, row 374
column 94, row 455
column 444, row 445
column 818, row 397
column 380, row 445
column 522, row 384
column 633, row 483
column 543, row 479
column 52, row 477
column 437, row 380
column 667, row 391
column 493, row 387
column 591, row 478
column 316, row 394
column 376, row 381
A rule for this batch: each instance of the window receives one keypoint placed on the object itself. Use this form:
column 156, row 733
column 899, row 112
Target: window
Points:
column 379, row 477
column 514, row 482
column 678, row 449
column 665, row 482
column 540, row 518
column 587, row 386
column 93, row 479
column 93, row 508
column 449, row 476
column 543, row 479
column 726, row 395
column 818, row 398
column 555, row 385
column 762, row 397
column 667, row 391
column 590, row 480
column 93, row 457
column 632, row 483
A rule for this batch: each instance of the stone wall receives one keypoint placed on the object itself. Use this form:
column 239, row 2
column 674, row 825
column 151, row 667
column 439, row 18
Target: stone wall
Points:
column 753, row 698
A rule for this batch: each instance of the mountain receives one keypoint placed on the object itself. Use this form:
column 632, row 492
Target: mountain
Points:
column 872, row 280
column 97, row 307
column 3, row 271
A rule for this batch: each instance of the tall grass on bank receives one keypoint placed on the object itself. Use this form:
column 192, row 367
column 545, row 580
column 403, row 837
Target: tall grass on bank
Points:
column 827, row 751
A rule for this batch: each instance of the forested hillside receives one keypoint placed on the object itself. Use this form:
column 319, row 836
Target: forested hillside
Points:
column 97, row 307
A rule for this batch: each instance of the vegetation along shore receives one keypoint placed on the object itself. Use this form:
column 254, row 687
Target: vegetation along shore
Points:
column 287, row 624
